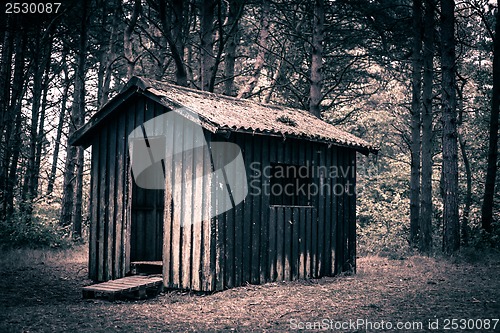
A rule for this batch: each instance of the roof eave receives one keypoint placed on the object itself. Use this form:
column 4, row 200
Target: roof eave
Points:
column 362, row 149
column 83, row 135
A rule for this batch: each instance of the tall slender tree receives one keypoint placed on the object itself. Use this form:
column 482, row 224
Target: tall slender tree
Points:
column 491, row 171
column 416, row 85
column 316, row 78
column 72, row 187
column 451, row 226
column 247, row 89
column 173, row 23
column 207, row 62
column 128, row 39
column 425, row 239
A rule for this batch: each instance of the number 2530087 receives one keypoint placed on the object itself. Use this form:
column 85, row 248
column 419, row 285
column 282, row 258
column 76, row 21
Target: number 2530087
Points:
column 32, row 8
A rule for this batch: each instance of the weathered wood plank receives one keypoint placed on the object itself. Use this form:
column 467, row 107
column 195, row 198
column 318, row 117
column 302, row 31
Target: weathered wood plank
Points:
column 103, row 204
column 110, row 184
column 208, row 226
column 149, row 195
column 272, row 244
column 197, row 219
column 187, row 203
column 176, row 209
column 323, row 194
column 238, row 222
column 328, row 201
column 273, row 151
column 340, row 214
column 352, row 212
column 168, row 208
column 303, row 243
column 288, row 243
column 288, row 158
column 280, row 242
column 333, row 213
column 314, row 242
column 120, row 171
column 220, row 201
column 264, row 212
column 247, row 213
column 308, row 217
column 295, row 218
column 229, row 253
column 129, row 181
column 94, row 210
column 256, row 215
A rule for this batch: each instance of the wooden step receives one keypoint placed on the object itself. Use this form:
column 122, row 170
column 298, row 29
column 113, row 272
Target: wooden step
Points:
column 146, row 267
column 137, row 286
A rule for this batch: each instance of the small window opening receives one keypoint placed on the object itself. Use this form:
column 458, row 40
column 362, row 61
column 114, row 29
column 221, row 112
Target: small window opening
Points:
column 290, row 185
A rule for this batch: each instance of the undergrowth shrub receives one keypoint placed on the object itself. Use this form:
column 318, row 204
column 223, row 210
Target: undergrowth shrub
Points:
column 39, row 230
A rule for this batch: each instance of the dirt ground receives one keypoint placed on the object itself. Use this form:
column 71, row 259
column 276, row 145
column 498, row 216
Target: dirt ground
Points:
column 41, row 292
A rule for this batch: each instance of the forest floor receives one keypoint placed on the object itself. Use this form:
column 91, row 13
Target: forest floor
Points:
column 40, row 291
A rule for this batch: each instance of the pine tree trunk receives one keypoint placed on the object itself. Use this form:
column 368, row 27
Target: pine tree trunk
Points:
column 451, row 226
column 29, row 188
column 315, row 95
column 425, row 239
column 78, row 211
column 9, row 114
column 127, row 39
column 70, row 191
column 5, row 75
column 174, row 34
column 41, row 125
column 491, row 172
column 207, row 43
column 468, row 194
column 416, row 82
column 60, row 124
column 6, row 114
column 234, row 14
column 247, row 89
column 13, row 134
column 107, row 50
column 278, row 72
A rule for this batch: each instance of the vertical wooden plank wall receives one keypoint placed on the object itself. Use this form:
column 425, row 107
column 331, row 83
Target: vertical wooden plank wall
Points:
column 253, row 243
column 188, row 230
column 288, row 242
column 110, row 218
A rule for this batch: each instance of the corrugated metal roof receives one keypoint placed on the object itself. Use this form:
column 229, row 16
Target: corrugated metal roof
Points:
column 220, row 112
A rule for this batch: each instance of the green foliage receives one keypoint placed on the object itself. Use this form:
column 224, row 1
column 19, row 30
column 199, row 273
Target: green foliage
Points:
column 383, row 208
column 36, row 231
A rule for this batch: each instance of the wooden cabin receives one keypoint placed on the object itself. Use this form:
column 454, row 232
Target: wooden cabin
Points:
column 263, row 237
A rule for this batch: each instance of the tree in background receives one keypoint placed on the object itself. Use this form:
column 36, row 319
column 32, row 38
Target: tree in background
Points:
column 416, row 107
column 315, row 95
column 71, row 210
column 489, row 187
column 425, row 223
column 451, row 227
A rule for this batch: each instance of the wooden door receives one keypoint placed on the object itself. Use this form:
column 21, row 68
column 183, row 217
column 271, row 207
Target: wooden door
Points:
column 146, row 243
